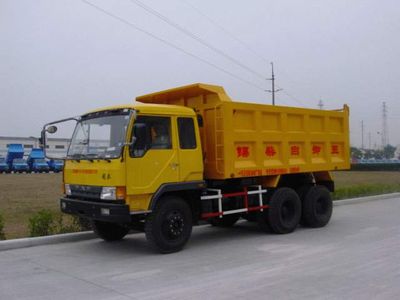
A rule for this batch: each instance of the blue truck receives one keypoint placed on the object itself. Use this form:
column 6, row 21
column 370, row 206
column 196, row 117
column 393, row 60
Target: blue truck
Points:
column 4, row 167
column 15, row 158
column 36, row 161
column 56, row 165
column 19, row 165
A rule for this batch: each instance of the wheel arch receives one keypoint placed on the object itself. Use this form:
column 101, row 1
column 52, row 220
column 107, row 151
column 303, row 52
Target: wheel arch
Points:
column 189, row 191
column 324, row 178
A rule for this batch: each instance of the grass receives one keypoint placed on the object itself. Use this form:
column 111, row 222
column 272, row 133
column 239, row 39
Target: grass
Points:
column 23, row 195
column 351, row 184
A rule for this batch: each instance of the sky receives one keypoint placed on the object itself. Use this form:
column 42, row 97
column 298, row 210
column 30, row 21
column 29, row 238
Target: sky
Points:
column 63, row 58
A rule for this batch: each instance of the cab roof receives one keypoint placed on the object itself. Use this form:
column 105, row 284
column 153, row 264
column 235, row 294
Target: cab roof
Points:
column 147, row 108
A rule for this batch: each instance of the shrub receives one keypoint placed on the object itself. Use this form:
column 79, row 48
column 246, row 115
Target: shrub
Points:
column 2, row 235
column 42, row 223
column 84, row 224
column 376, row 167
column 67, row 224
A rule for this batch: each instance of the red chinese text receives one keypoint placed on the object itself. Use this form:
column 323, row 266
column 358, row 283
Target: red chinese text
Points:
column 270, row 151
column 242, row 151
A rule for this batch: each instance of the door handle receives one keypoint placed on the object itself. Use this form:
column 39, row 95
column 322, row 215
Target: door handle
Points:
column 174, row 165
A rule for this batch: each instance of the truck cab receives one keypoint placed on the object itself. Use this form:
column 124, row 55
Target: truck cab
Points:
column 56, row 165
column 19, row 165
column 4, row 167
column 36, row 161
column 40, row 165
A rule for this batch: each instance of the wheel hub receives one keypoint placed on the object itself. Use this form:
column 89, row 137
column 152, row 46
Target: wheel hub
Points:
column 174, row 225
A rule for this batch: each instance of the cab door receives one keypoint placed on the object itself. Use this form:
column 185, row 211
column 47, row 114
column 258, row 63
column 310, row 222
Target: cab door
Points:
column 189, row 149
column 155, row 162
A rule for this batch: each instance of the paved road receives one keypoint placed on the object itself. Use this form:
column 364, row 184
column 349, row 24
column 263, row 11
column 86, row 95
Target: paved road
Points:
column 357, row 256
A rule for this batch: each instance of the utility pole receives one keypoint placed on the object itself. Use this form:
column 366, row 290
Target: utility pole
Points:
column 362, row 134
column 273, row 91
column 369, row 140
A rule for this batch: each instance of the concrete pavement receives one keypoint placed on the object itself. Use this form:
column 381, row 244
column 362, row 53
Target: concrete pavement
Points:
column 356, row 256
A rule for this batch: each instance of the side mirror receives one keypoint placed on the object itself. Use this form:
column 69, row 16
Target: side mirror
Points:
column 51, row 129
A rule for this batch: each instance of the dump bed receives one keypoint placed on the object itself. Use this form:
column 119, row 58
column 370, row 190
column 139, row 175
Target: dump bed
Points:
column 14, row 151
column 36, row 153
column 246, row 139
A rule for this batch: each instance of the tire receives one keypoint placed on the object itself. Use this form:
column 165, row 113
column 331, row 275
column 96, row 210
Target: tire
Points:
column 302, row 192
column 109, row 232
column 284, row 212
column 225, row 221
column 317, row 207
column 169, row 226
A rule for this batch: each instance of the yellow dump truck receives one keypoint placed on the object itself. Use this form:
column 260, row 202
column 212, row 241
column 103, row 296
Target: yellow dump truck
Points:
column 180, row 157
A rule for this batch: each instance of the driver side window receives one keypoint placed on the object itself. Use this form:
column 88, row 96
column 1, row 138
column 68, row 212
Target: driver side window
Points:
column 158, row 135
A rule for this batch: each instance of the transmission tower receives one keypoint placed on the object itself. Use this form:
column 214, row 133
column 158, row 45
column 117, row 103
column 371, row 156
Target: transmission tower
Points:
column 385, row 131
column 362, row 134
column 321, row 104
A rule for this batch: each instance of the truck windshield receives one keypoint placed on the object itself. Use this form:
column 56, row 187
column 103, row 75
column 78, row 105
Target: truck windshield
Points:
column 19, row 160
column 40, row 161
column 99, row 135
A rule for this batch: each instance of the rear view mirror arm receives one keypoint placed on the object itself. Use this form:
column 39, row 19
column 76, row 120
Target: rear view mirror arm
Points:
column 43, row 133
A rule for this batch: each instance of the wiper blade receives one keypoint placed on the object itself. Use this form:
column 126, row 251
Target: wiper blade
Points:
column 103, row 157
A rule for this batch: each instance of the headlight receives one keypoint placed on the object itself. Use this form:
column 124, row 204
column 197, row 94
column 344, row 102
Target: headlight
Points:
column 112, row 193
column 67, row 188
column 108, row 193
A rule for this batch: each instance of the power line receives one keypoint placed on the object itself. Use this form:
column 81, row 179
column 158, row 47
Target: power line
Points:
column 195, row 37
column 244, row 44
column 122, row 20
column 290, row 96
column 227, row 32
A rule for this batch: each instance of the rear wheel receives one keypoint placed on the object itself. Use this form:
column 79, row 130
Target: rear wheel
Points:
column 317, row 207
column 225, row 221
column 109, row 231
column 169, row 226
column 284, row 212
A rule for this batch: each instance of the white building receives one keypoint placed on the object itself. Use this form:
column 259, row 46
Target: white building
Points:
column 54, row 147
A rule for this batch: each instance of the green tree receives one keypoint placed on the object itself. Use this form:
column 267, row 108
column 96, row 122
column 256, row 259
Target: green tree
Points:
column 355, row 153
column 388, row 151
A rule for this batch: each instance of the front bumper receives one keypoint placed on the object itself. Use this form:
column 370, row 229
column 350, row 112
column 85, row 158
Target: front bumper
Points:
column 21, row 169
column 117, row 213
column 41, row 168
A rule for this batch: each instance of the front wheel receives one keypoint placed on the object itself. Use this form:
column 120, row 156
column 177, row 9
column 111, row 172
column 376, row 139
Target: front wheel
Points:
column 169, row 226
column 109, row 232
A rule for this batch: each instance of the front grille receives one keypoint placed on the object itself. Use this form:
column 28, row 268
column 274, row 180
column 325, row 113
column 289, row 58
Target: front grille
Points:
column 85, row 191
